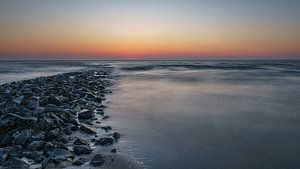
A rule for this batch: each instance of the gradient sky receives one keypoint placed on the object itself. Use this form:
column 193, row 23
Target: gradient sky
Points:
column 149, row 28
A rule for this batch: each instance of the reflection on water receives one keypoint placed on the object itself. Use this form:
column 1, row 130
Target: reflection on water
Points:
column 213, row 118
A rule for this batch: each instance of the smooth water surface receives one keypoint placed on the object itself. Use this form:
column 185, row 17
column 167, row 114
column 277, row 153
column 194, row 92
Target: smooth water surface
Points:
column 209, row 114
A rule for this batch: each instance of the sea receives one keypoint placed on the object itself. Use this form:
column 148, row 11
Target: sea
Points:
column 196, row 114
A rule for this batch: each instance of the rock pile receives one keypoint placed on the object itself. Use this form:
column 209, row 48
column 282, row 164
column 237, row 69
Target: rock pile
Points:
column 39, row 118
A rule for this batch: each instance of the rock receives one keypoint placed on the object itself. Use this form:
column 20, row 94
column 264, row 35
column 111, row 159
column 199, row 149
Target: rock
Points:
column 114, row 150
column 62, row 138
column 81, row 142
column 68, row 130
column 104, row 141
column 82, row 149
column 51, row 108
column 5, row 140
column 33, row 104
column 79, row 162
column 105, row 117
column 88, row 130
column 22, row 137
column 97, row 160
column 39, row 110
column 53, row 100
column 86, row 114
column 106, row 128
column 3, row 155
column 18, row 100
column 7, row 125
column 48, row 147
column 52, row 135
column 23, row 121
column 59, row 154
column 36, row 146
column 15, row 151
column 116, row 135
column 16, row 163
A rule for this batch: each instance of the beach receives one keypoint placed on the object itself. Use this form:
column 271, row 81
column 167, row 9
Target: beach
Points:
column 150, row 114
column 57, row 122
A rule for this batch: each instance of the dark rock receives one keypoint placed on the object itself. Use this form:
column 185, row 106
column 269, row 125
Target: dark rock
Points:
column 114, row 150
column 52, row 135
column 62, row 138
column 36, row 146
column 105, row 117
column 68, row 130
column 106, row 128
column 15, row 151
column 88, row 130
column 81, row 142
column 5, row 140
column 59, row 154
column 82, row 149
column 7, row 125
column 23, row 121
column 104, row 141
column 86, row 114
column 51, row 108
column 79, row 162
column 39, row 110
column 22, row 137
column 16, row 163
column 3, row 155
column 116, row 135
column 97, row 160
column 18, row 100
column 53, row 100
column 33, row 104
column 49, row 146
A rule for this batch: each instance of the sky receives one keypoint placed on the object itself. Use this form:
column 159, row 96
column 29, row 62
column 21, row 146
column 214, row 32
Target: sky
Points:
column 142, row 29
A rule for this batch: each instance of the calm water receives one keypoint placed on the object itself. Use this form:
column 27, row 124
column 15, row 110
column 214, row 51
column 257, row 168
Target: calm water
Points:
column 198, row 114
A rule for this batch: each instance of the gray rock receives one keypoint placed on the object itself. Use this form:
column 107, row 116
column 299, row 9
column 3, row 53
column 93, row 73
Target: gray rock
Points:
column 36, row 146
column 22, row 137
column 104, row 141
column 88, row 130
column 86, row 114
column 81, row 142
column 33, row 104
column 59, row 154
column 51, row 108
column 3, row 155
column 82, row 149
column 97, row 160
column 79, row 162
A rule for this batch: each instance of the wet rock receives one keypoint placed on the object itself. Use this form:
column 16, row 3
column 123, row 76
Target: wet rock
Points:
column 51, row 108
column 79, row 162
column 18, row 100
column 23, row 121
column 81, row 142
column 105, row 117
column 22, row 137
column 59, row 154
column 104, row 141
column 86, row 114
column 39, row 110
column 5, row 140
column 7, row 125
column 82, row 149
column 16, row 163
column 52, row 135
column 33, row 104
column 116, row 135
column 114, row 150
column 97, row 160
column 88, row 130
column 53, row 100
column 62, row 138
column 36, row 146
column 3, row 155
column 15, row 151
column 106, row 128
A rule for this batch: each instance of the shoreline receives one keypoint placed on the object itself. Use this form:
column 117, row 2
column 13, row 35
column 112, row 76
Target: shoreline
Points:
column 59, row 122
